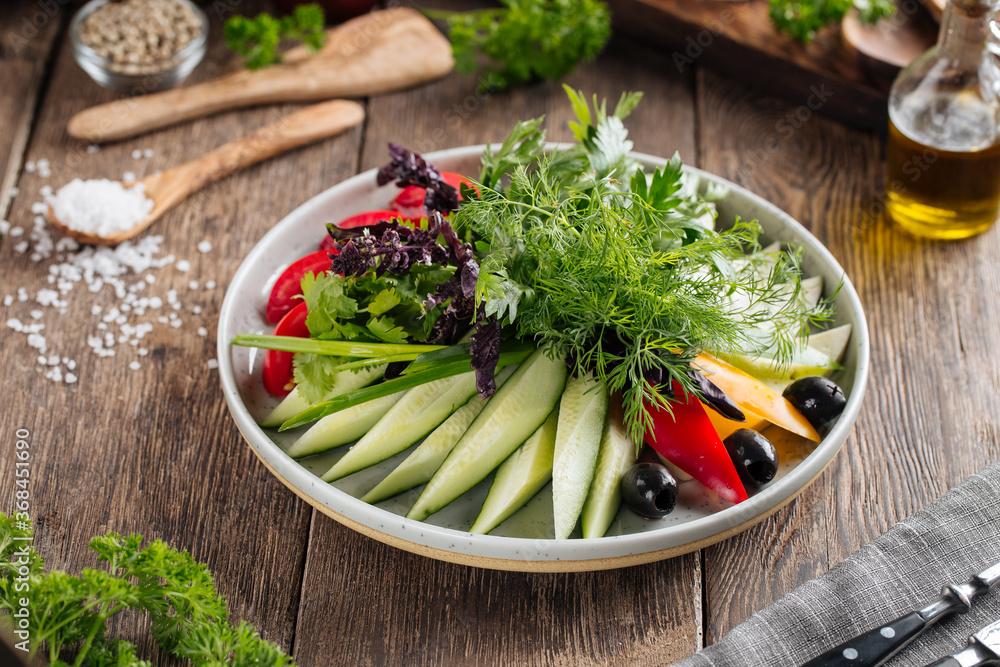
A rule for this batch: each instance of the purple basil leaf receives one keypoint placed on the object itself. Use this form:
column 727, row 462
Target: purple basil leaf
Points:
column 485, row 352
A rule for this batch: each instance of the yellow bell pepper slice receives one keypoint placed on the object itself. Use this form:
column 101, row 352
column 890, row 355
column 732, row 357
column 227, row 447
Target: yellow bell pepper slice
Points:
column 751, row 394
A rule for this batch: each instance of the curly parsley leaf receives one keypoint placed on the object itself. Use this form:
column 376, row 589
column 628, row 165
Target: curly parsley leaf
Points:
column 256, row 40
column 69, row 614
column 527, row 40
column 802, row 19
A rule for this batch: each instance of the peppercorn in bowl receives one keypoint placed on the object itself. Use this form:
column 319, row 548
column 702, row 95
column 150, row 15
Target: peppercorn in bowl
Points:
column 139, row 46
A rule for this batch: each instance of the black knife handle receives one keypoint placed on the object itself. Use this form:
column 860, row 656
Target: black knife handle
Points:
column 873, row 647
column 947, row 661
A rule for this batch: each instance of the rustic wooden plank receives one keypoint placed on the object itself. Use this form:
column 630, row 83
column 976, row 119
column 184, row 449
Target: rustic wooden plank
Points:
column 929, row 419
column 366, row 603
column 740, row 38
column 27, row 33
column 153, row 450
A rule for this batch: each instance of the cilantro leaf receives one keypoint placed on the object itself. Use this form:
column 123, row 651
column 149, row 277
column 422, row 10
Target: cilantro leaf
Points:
column 314, row 374
column 327, row 301
column 383, row 302
column 385, row 329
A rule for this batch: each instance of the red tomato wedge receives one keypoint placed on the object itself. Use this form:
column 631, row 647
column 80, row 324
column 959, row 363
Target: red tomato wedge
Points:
column 689, row 441
column 277, row 368
column 410, row 201
column 366, row 220
column 289, row 283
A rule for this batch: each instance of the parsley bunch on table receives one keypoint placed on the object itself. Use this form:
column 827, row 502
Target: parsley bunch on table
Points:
column 526, row 40
column 256, row 40
column 69, row 613
column 802, row 19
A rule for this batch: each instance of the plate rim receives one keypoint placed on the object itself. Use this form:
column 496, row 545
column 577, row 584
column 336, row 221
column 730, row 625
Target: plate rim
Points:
column 543, row 554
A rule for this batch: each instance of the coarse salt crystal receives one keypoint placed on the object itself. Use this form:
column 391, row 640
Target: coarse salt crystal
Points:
column 205, row 247
column 142, row 351
column 210, row 284
column 16, row 231
column 36, row 314
column 93, row 148
column 100, row 206
column 135, row 365
column 70, row 378
column 4, row 227
column 21, row 247
column 202, row 331
column 128, row 177
column 136, row 154
column 29, row 167
column 196, row 310
column 193, row 284
column 147, row 153
column 184, row 266
column 8, row 300
column 213, row 363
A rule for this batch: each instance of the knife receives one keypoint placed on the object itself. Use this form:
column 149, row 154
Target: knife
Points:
column 875, row 647
column 983, row 649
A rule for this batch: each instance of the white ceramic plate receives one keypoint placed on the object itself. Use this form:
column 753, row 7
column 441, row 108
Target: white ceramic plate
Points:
column 523, row 542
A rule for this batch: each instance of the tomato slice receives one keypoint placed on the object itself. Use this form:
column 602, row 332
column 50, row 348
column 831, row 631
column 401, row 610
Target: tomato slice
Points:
column 366, row 220
column 410, row 201
column 688, row 439
column 277, row 372
column 289, row 283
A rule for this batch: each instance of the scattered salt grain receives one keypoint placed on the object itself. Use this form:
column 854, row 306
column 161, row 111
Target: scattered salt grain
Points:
column 21, row 247
column 100, row 206
column 196, row 310
column 193, row 284
column 213, row 363
column 36, row 314
column 210, row 284
column 70, row 378
column 136, row 154
column 202, row 331
column 45, row 191
column 183, row 265
column 142, row 352
column 4, row 227
column 8, row 300
column 16, row 231
column 93, row 148
column 147, row 153
column 29, row 167
column 205, row 247
column 128, row 177
column 135, row 365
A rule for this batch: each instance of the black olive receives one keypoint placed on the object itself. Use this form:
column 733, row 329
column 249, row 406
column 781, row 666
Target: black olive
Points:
column 754, row 456
column 819, row 399
column 649, row 490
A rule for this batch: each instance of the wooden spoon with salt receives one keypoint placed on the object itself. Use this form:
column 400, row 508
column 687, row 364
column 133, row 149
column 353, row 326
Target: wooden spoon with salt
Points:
column 372, row 54
column 168, row 188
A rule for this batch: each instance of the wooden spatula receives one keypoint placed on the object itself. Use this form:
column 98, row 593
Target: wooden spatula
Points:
column 374, row 53
column 170, row 187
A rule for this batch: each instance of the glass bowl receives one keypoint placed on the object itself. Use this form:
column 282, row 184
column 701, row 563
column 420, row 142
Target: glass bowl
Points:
column 142, row 78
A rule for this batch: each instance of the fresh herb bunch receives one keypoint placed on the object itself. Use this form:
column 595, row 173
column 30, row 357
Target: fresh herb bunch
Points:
column 527, row 39
column 256, row 40
column 69, row 614
column 619, row 271
column 802, row 19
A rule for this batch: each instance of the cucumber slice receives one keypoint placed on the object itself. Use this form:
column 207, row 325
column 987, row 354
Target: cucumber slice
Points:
column 344, row 382
column 342, row 427
column 582, row 410
column 520, row 477
column 615, row 457
column 423, row 462
column 418, row 413
column 516, row 411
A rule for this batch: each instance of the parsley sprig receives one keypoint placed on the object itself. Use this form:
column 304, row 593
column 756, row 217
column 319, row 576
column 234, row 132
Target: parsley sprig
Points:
column 256, row 40
column 802, row 19
column 69, row 614
column 526, row 40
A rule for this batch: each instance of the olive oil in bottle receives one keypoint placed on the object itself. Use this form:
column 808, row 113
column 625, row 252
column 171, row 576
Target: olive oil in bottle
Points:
column 943, row 152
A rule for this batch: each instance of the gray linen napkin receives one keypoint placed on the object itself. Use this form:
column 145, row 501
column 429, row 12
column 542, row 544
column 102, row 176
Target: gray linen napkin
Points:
column 944, row 543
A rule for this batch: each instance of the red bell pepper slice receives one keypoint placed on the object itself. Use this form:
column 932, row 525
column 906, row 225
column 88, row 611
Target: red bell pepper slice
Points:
column 289, row 283
column 689, row 441
column 366, row 220
column 410, row 201
column 277, row 371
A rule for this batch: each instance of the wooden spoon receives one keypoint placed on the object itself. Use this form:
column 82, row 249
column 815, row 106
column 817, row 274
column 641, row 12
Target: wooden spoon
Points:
column 168, row 188
column 375, row 53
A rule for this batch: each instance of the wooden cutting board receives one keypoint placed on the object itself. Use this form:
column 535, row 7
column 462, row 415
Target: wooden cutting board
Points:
column 843, row 73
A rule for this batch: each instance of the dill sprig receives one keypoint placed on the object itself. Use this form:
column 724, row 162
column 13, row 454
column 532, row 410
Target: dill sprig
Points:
column 622, row 272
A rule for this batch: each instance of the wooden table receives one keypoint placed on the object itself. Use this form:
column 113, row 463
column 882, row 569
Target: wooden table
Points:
column 153, row 450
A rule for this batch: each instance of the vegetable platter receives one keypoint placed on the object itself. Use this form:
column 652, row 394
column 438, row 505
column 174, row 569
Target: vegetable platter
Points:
column 661, row 387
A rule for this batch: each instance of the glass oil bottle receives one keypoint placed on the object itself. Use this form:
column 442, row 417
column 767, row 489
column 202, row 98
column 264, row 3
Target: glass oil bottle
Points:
column 943, row 152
